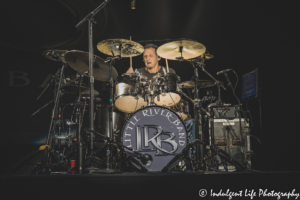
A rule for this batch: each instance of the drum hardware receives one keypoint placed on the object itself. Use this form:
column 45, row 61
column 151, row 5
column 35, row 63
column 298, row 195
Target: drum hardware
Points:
column 56, row 116
column 201, row 84
column 41, row 108
column 51, row 54
column 145, row 158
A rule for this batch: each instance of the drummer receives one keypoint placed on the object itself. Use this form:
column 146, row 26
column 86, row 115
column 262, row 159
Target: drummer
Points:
column 151, row 60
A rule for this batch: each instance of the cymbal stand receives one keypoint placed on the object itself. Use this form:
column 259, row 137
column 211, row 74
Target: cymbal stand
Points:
column 197, row 116
column 78, row 114
column 57, row 96
column 90, row 18
column 54, row 118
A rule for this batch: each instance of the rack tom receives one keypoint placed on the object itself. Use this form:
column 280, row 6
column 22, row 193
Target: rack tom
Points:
column 128, row 94
column 168, row 91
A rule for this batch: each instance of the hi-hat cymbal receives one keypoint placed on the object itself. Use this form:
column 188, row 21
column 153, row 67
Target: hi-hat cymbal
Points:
column 181, row 49
column 79, row 61
column 128, row 48
column 48, row 54
column 201, row 84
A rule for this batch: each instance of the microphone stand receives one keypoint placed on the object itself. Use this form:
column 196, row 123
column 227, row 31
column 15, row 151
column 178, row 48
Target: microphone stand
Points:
column 90, row 18
column 241, row 111
column 109, row 155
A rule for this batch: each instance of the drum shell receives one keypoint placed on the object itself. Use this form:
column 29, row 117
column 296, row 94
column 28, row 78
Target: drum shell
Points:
column 169, row 91
column 124, row 85
column 127, row 92
column 182, row 109
column 102, row 120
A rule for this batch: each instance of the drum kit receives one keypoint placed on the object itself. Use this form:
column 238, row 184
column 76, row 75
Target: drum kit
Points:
column 148, row 116
column 141, row 127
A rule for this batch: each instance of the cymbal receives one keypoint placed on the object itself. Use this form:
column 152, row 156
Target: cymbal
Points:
column 79, row 61
column 201, row 84
column 48, row 54
column 207, row 56
column 181, row 49
column 112, row 47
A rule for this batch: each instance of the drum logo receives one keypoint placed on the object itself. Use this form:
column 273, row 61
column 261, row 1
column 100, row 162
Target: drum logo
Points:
column 156, row 140
column 155, row 130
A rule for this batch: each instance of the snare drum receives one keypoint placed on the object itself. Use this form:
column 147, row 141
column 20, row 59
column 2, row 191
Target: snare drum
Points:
column 168, row 91
column 128, row 94
column 182, row 109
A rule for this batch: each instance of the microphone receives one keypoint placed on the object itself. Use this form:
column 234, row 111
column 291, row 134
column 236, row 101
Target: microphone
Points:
column 223, row 71
column 132, row 4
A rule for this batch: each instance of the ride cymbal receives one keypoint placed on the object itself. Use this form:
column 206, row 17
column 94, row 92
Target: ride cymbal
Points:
column 200, row 84
column 120, row 47
column 79, row 61
column 181, row 49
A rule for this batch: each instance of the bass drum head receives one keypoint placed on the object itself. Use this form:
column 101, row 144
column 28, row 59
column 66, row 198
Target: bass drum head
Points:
column 157, row 131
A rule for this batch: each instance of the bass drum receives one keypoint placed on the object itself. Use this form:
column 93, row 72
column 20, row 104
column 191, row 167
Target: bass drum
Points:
column 157, row 131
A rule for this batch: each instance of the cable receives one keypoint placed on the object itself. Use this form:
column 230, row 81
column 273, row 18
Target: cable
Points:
column 237, row 79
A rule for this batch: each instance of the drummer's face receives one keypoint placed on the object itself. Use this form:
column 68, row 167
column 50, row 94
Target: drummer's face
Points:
column 150, row 58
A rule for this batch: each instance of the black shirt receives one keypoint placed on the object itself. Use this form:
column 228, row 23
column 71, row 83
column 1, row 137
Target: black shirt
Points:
column 144, row 72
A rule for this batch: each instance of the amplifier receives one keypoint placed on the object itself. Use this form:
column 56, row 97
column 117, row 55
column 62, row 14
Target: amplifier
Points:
column 225, row 133
column 224, row 112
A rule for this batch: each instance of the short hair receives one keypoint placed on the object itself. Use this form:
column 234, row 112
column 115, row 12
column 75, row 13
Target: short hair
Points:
column 148, row 46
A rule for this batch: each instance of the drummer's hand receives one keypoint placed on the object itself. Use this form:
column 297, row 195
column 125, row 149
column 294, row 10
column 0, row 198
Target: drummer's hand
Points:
column 130, row 70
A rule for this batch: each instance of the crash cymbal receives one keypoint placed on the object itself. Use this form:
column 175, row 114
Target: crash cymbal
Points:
column 48, row 54
column 79, row 61
column 181, row 49
column 201, row 84
column 112, row 47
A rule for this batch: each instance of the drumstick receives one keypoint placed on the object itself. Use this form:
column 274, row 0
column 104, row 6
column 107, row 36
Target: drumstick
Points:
column 130, row 58
column 167, row 65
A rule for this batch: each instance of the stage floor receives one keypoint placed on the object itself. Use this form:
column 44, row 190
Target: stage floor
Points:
column 194, row 185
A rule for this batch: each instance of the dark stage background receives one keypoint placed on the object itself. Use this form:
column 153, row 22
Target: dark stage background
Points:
column 242, row 35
